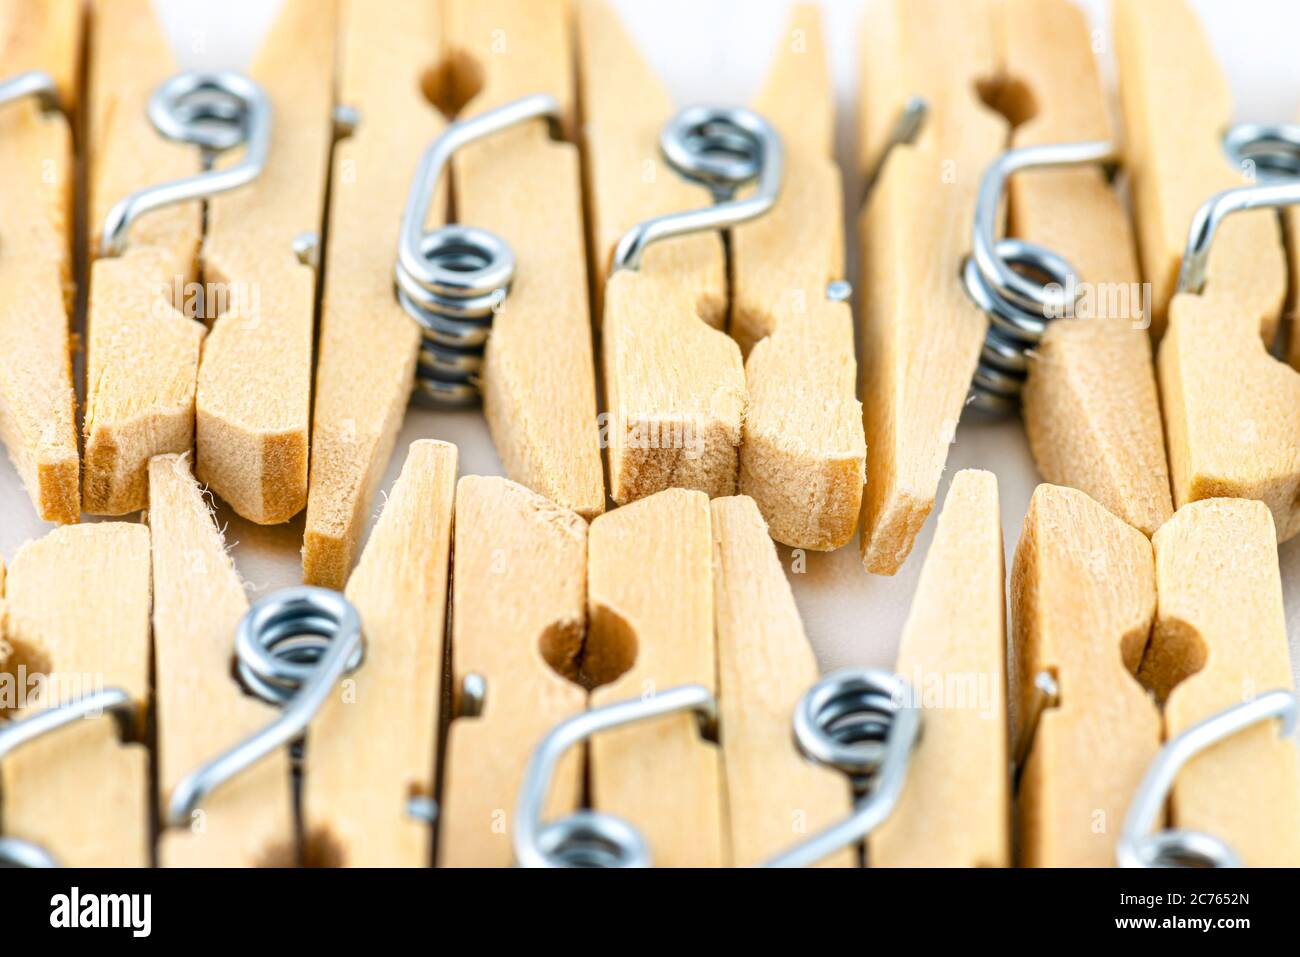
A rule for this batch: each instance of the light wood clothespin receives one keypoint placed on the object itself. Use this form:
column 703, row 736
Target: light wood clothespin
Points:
column 921, row 333
column 368, row 344
column 1231, row 411
column 765, row 664
column 674, row 381
column 518, row 623
column 1220, row 639
column 254, row 383
column 1090, row 405
column 650, row 617
column 956, row 810
column 539, row 379
column 803, row 456
column 360, row 778
column 37, row 402
column 1083, row 597
column 142, row 354
column 198, row 601
column 77, row 623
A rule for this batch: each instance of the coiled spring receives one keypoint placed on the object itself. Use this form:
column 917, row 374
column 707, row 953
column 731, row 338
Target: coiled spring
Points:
column 859, row 722
column 15, row 853
column 1138, row 846
column 1020, row 285
column 291, row 649
column 453, row 279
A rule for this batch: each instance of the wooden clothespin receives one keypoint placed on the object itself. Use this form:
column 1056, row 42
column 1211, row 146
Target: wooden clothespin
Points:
column 518, row 623
column 955, row 810
column 142, row 353
column 765, row 664
column 198, row 601
column 921, row 333
column 1231, row 411
column 650, row 617
column 368, row 344
column 1090, row 405
column 367, row 792
column 539, row 380
column 674, row 381
column 1083, row 598
column 803, row 456
column 254, row 383
column 1220, row 639
column 40, row 54
column 77, row 627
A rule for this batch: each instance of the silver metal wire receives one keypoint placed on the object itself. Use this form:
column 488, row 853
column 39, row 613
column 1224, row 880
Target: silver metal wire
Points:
column 1020, row 285
column 722, row 148
column 453, row 279
column 291, row 649
column 593, row 838
column 36, row 84
column 1138, row 846
column 214, row 111
column 114, row 702
column 1273, row 152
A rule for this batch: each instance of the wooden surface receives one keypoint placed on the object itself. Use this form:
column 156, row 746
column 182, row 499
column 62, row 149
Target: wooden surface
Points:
column 37, row 402
column 674, row 386
column 920, row 333
column 775, row 796
column 519, row 618
column 803, row 456
column 539, row 374
column 77, row 613
column 142, row 354
column 955, row 810
column 1231, row 411
column 1220, row 639
column 1090, row 404
column 359, row 773
column 650, row 628
column 368, row 344
column 254, row 385
column 201, row 710
column 1083, row 597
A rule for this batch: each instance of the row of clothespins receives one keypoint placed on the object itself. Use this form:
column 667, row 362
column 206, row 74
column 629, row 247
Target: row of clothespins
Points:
column 500, row 309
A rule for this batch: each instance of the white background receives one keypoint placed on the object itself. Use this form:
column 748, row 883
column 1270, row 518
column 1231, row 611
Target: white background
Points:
column 718, row 51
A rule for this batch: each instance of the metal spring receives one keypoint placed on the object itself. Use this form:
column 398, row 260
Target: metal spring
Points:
column 114, row 702
column 723, row 149
column 453, row 279
column 1020, row 285
column 214, row 111
column 1137, row 845
column 291, row 649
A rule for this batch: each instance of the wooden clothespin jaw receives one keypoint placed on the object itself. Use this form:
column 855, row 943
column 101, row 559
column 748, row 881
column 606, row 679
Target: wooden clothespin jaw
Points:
column 1212, row 248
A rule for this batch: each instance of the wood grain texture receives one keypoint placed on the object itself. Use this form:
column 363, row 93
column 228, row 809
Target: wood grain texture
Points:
column 37, row 402
column 803, row 455
column 1220, row 639
column 519, row 616
column 198, row 600
column 254, row 387
column 77, row 613
column 359, row 773
column 368, row 344
column 1090, row 404
column 142, row 353
column 1083, row 596
column 650, row 628
column 956, row 808
column 775, row 796
column 1231, row 410
column 539, row 375
column 920, row 332
column 674, row 387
